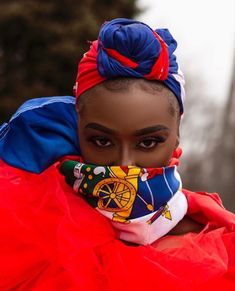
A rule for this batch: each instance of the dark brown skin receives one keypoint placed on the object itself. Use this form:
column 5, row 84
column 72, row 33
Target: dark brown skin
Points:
column 133, row 127
column 130, row 127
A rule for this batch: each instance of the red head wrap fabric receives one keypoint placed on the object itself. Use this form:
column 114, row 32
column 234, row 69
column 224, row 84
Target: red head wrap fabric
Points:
column 88, row 75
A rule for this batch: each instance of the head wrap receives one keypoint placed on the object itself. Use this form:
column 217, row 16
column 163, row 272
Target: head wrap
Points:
column 129, row 48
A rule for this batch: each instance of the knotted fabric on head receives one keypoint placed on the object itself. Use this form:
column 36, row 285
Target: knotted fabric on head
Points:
column 129, row 48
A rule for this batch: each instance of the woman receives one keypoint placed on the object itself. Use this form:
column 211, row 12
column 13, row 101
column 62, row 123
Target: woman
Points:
column 145, row 232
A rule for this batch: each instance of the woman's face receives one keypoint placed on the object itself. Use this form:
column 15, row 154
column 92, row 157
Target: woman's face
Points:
column 128, row 127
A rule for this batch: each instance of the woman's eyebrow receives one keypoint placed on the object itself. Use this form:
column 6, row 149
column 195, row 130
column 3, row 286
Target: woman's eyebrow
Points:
column 100, row 127
column 138, row 132
column 151, row 129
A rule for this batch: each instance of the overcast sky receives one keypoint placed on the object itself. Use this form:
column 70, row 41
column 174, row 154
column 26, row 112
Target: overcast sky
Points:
column 205, row 31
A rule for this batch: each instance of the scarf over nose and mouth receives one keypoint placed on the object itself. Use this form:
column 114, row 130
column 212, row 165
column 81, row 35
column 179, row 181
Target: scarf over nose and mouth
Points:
column 143, row 204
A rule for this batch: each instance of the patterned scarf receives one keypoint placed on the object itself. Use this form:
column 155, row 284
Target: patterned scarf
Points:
column 143, row 204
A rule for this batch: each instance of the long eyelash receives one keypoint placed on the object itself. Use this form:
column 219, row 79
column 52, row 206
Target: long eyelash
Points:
column 93, row 139
column 158, row 139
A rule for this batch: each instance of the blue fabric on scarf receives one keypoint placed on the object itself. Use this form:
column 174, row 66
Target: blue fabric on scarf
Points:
column 40, row 132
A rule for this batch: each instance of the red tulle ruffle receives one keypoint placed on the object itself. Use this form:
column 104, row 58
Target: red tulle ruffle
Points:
column 52, row 240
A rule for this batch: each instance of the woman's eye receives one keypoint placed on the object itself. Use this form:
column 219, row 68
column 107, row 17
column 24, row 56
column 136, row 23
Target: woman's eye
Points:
column 150, row 143
column 101, row 142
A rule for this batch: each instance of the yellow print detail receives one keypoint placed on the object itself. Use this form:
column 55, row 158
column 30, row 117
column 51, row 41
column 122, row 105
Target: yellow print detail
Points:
column 118, row 193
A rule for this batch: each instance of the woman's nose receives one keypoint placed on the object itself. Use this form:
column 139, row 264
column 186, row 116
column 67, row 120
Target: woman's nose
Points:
column 126, row 158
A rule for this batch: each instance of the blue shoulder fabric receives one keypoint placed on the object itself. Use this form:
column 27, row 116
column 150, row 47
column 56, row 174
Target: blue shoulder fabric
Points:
column 40, row 132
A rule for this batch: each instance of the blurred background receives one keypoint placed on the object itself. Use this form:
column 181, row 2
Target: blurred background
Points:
column 41, row 43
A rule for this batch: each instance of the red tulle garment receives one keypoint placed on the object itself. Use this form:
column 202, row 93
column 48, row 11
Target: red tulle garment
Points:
column 51, row 239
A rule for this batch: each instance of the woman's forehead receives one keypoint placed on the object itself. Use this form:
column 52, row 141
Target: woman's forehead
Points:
column 123, row 85
column 128, row 94
column 133, row 107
